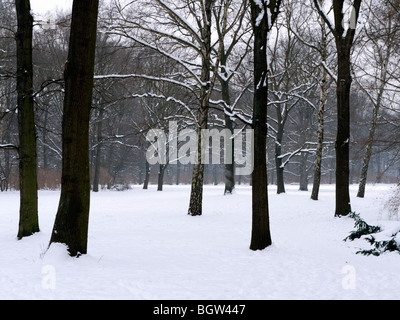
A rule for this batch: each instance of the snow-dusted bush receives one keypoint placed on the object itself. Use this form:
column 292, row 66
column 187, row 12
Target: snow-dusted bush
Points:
column 391, row 205
column 380, row 240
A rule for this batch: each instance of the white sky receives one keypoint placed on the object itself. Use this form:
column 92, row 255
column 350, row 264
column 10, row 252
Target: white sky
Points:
column 44, row 6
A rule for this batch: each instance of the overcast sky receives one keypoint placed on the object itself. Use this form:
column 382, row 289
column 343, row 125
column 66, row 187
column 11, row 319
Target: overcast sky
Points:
column 44, row 6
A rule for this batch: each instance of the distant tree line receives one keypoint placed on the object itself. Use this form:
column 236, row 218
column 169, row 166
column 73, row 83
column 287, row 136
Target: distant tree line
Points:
column 318, row 84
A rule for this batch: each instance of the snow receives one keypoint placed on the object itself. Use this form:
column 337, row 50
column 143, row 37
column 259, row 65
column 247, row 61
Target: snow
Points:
column 143, row 245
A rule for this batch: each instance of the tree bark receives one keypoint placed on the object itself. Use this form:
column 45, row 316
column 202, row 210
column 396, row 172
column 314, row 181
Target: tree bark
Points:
column 368, row 151
column 97, row 165
column 321, row 118
column 72, row 219
column 161, row 172
column 342, row 148
column 260, row 234
column 146, row 177
column 29, row 220
column 344, row 42
column 303, row 172
column 196, row 195
column 280, row 179
column 229, row 167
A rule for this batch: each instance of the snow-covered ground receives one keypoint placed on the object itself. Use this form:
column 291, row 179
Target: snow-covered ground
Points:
column 143, row 245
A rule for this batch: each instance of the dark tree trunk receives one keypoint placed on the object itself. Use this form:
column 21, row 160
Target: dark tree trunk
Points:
column 161, row 172
column 72, row 219
column 146, row 177
column 261, row 235
column 229, row 167
column 343, row 136
column 29, row 221
column 229, row 170
column 344, row 42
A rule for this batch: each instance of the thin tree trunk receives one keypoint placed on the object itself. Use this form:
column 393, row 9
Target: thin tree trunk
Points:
column 72, row 219
column 229, row 167
column 97, row 165
column 29, row 220
column 196, row 195
column 178, row 173
column 44, row 142
column 368, row 151
column 303, row 172
column 374, row 120
column 280, row 182
column 320, row 144
column 161, row 177
column 146, row 177
column 321, row 117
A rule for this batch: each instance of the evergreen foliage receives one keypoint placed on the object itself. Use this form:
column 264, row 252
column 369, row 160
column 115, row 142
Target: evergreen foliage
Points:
column 379, row 246
column 363, row 228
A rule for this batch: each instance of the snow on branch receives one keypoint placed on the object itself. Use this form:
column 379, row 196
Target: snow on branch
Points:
column 184, row 64
column 290, row 155
column 142, row 76
column 181, row 20
column 8, row 147
column 324, row 16
column 329, row 71
column 159, row 96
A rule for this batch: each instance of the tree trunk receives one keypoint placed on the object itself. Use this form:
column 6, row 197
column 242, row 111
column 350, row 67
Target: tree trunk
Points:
column 178, row 173
column 229, row 167
column 343, row 206
column 196, row 195
column 97, row 165
column 29, row 221
column 280, row 182
column 344, row 42
column 72, row 219
column 146, row 177
column 374, row 120
column 321, row 117
column 368, row 151
column 260, row 234
column 161, row 177
column 303, row 172
column 215, row 174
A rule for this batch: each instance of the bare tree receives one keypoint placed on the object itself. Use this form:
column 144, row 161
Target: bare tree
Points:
column 380, row 53
column 29, row 220
column 230, row 24
column 344, row 38
column 263, row 16
column 185, row 38
column 72, row 219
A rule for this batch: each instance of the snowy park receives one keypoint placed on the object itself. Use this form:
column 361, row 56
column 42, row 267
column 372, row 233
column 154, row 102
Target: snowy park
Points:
column 199, row 150
column 143, row 245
